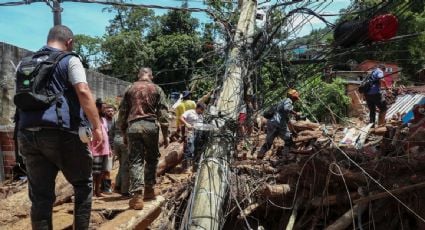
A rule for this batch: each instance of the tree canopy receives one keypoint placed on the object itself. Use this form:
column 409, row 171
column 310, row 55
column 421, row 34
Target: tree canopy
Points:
column 185, row 54
column 173, row 45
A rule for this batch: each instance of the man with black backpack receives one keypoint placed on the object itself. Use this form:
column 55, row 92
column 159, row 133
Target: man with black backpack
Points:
column 374, row 96
column 51, row 96
column 277, row 124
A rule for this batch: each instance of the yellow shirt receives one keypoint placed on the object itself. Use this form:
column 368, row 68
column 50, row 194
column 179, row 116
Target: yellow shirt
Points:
column 183, row 107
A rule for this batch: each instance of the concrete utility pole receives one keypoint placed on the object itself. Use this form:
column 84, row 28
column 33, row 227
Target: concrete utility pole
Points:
column 205, row 209
column 57, row 10
column 231, row 95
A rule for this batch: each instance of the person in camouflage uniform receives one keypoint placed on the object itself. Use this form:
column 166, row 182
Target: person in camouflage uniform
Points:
column 142, row 110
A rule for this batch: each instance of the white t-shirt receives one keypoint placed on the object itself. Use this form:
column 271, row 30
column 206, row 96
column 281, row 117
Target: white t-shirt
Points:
column 192, row 117
column 76, row 71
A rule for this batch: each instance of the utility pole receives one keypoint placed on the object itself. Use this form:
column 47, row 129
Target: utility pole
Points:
column 57, row 10
column 205, row 208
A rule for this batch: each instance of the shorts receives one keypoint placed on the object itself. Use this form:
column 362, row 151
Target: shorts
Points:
column 102, row 164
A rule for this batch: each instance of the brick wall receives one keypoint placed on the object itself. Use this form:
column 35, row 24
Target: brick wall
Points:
column 7, row 149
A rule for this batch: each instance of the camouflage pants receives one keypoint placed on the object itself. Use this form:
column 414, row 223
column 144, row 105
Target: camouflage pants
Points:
column 122, row 181
column 143, row 137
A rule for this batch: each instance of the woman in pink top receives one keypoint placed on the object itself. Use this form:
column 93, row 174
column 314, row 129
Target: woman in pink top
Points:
column 100, row 155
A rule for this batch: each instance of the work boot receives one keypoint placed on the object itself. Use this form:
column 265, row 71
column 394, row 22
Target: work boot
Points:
column 150, row 193
column 136, row 202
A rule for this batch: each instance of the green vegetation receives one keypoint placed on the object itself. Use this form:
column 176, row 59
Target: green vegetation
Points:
column 326, row 102
column 185, row 54
column 172, row 45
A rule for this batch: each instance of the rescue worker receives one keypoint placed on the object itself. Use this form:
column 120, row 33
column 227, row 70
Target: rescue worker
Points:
column 143, row 105
column 375, row 97
column 185, row 105
column 277, row 126
column 189, row 119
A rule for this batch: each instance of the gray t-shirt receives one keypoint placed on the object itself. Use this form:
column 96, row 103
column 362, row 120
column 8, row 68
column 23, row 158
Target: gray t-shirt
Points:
column 281, row 116
column 76, row 71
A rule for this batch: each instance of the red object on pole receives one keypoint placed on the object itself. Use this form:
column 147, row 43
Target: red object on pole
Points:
column 382, row 27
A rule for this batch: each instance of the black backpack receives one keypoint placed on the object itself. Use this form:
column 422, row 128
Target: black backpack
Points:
column 366, row 84
column 32, row 80
column 269, row 112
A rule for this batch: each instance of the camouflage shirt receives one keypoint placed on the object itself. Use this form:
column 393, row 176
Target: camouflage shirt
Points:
column 143, row 99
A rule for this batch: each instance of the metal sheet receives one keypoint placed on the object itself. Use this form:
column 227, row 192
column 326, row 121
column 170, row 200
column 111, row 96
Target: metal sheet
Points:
column 404, row 104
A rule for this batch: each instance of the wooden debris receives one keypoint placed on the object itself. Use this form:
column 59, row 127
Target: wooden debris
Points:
column 171, row 159
column 380, row 131
column 347, row 219
column 276, row 190
column 333, row 199
column 299, row 126
column 307, row 135
column 137, row 219
column 248, row 210
column 381, row 195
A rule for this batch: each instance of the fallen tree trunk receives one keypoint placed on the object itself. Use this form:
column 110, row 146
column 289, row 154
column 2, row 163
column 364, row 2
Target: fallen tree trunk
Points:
column 137, row 219
column 299, row 126
column 64, row 190
column 173, row 158
column 333, row 199
column 277, row 190
column 386, row 194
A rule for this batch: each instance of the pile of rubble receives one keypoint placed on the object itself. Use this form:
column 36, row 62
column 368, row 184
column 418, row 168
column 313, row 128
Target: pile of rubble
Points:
column 337, row 177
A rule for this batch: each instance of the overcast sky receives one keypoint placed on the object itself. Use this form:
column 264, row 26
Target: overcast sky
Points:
column 26, row 26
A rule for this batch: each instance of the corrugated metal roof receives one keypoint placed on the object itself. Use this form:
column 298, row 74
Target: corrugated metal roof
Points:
column 404, row 104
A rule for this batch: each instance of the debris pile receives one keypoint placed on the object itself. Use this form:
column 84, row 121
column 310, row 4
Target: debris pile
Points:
column 335, row 177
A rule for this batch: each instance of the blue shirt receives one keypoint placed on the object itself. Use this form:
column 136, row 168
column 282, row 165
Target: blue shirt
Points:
column 376, row 76
column 281, row 116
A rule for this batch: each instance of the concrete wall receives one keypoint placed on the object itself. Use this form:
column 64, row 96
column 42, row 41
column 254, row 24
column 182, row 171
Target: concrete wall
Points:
column 356, row 108
column 9, row 57
column 101, row 85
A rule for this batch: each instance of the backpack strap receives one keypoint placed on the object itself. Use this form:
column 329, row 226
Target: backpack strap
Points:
column 56, row 57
